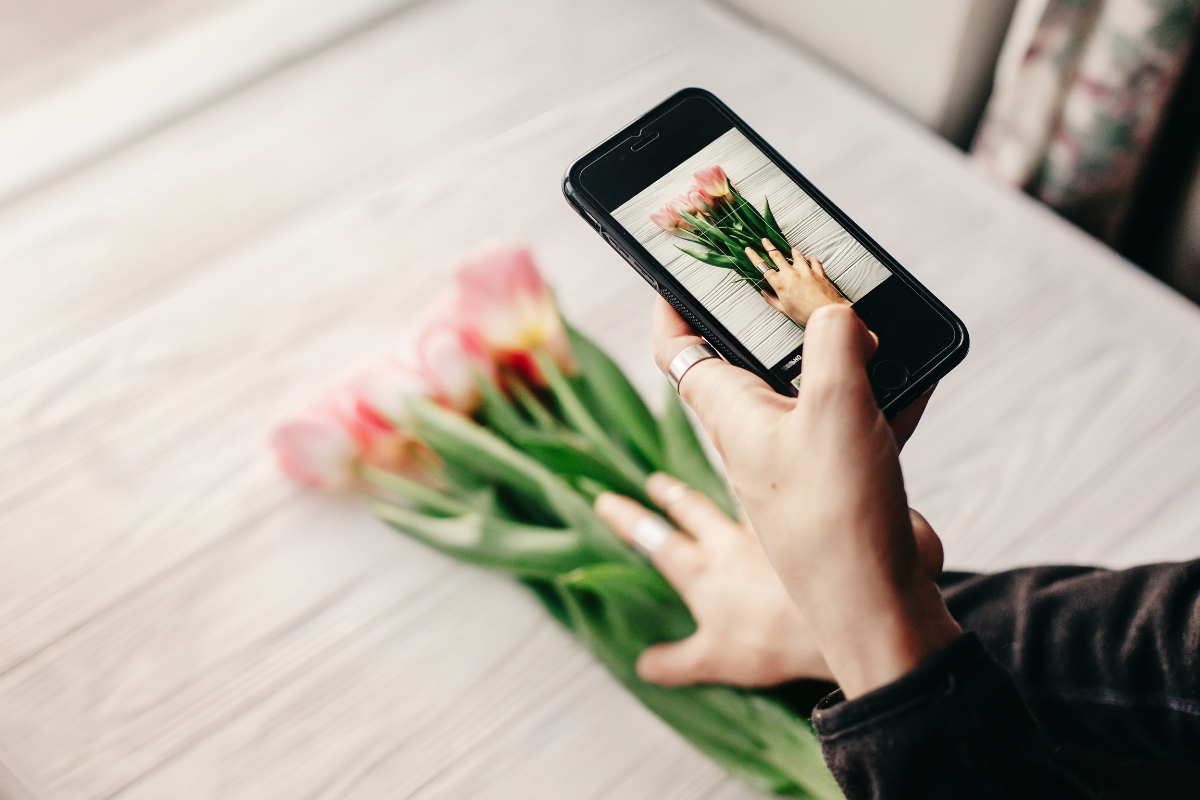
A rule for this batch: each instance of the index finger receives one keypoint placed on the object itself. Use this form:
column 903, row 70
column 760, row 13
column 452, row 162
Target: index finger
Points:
column 712, row 385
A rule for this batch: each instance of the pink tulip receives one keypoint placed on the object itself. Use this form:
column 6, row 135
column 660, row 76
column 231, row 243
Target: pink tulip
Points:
column 713, row 182
column 503, row 300
column 454, row 359
column 700, row 201
column 382, row 440
column 316, row 449
column 683, row 204
column 668, row 219
column 385, row 387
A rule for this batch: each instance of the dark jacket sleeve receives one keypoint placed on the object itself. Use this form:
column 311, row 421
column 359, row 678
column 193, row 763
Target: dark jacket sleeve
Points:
column 1108, row 661
column 955, row 727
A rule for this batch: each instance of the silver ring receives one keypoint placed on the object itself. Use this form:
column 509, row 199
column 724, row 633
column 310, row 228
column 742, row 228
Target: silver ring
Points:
column 688, row 358
column 650, row 533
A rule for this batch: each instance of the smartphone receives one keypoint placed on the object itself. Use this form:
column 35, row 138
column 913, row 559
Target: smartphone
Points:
column 681, row 192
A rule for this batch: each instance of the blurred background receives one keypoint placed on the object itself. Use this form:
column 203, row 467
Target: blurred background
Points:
column 1092, row 106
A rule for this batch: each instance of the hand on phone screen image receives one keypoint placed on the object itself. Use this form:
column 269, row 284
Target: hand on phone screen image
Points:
column 723, row 229
column 798, row 286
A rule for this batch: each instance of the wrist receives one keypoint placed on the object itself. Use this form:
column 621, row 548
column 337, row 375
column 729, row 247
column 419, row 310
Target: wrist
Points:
column 875, row 637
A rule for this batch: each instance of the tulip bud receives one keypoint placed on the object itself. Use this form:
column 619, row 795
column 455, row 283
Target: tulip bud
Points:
column 504, row 302
column 713, row 182
column 314, row 448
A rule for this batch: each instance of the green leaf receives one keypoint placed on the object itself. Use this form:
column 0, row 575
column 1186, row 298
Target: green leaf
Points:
column 571, row 455
column 616, row 403
column 542, row 418
column 579, row 418
column 687, row 460
column 769, row 218
column 526, row 550
column 471, row 448
column 775, row 233
column 708, row 228
column 750, row 216
column 620, row 610
column 499, row 413
column 551, row 598
column 428, row 499
column 715, row 259
column 461, row 495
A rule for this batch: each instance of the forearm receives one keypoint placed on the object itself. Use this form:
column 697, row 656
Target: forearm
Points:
column 1108, row 661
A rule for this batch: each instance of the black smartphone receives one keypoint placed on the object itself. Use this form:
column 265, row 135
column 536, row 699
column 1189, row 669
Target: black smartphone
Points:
column 681, row 193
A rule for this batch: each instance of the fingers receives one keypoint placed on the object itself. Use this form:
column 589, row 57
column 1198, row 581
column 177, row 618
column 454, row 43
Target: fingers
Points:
column 676, row 663
column 929, row 546
column 671, row 335
column 904, row 423
column 692, row 511
column 770, row 274
column 773, row 301
column 676, row 557
column 776, row 256
column 818, row 268
column 712, row 387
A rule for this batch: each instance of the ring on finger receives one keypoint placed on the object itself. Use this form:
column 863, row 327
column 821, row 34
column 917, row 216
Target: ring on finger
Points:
column 686, row 359
column 649, row 534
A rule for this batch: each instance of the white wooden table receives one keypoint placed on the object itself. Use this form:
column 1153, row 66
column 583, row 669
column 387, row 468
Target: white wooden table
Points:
column 176, row 620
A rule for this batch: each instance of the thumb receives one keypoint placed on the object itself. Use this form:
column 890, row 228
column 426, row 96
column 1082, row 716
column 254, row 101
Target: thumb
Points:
column 773, row 301
column 837, row 346
column 675, row 663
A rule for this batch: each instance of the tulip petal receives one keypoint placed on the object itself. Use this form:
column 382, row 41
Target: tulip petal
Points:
column 315, row 449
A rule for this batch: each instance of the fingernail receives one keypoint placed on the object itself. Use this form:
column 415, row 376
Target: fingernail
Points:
column 604, row 502
column 659, row 482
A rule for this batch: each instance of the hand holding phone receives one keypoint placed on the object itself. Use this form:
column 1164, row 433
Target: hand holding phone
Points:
column 819, row 478
column 746, row 249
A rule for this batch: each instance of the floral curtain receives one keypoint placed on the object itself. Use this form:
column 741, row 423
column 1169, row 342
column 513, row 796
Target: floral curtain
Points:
column 1075, row 110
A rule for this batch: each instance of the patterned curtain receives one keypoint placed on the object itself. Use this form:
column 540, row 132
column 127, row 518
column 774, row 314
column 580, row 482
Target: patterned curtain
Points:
column 1076, row 106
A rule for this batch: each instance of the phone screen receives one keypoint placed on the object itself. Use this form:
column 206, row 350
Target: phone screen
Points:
column 695, row 191
column 698, row 219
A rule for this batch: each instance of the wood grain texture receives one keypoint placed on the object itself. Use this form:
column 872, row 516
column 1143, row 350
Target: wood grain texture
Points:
column 161, row 77
column 177, row 621
column 134, row 228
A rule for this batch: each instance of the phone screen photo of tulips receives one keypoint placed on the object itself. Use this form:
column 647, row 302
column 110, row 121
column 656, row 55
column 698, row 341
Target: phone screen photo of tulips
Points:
column 486, row 435
column 750, row 245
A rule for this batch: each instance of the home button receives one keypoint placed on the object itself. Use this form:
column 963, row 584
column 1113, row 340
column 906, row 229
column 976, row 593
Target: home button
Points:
column 890, row 375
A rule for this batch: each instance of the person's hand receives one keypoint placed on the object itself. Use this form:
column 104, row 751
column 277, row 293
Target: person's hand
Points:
column 800, row 287
column 749, row 632
column 819, row 478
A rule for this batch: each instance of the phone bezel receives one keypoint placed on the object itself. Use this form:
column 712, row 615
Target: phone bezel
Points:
column 699, row 317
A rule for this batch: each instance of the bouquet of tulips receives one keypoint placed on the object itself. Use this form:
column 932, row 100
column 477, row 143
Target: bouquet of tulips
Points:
column 488, row 440
column 714, row 216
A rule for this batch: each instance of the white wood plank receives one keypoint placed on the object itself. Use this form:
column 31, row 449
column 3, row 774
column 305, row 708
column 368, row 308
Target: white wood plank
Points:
column 44, row 44
column 79, row 256
column 140, row 88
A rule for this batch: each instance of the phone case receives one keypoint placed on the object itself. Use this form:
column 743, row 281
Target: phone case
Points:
column 696, row 315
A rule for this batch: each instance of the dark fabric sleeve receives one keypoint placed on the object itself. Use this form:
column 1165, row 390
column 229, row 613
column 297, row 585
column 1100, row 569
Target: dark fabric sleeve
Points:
column 1108, row 661
column 955, row 727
